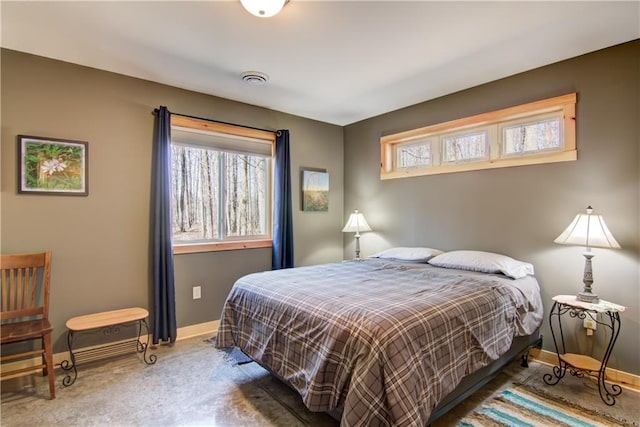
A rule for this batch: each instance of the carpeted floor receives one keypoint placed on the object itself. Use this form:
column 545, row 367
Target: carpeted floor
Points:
column 192, row 383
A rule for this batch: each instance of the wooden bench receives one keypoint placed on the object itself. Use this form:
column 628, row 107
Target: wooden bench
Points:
column 110, row 322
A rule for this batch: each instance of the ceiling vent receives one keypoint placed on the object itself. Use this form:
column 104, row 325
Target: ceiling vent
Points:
column 255, row 78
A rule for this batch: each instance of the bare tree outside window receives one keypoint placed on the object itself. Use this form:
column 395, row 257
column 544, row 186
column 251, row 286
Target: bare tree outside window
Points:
column 531, row 137
column 217, row 195
column 465, row 147
column 414, row 155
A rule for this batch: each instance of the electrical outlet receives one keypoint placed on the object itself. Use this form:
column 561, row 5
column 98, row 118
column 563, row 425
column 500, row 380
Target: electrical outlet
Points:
column 590, row 324
column 197, row 292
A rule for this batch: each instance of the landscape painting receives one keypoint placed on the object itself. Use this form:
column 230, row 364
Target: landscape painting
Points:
column 315, row 190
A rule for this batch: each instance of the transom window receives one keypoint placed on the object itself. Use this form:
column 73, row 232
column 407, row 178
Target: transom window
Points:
column 529, row 137
column 220, row 186
column 413, row 155
column 538, row 132
column 464, row 148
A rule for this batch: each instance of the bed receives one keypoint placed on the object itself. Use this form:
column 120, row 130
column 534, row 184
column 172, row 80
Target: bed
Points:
column 381, row 341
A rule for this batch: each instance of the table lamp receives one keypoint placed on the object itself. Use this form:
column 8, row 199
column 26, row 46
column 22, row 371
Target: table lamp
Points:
column 588, row 230
column 356, row 224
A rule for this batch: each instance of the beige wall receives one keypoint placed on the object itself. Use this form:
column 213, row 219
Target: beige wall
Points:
column 100, row 242
column 519, row 211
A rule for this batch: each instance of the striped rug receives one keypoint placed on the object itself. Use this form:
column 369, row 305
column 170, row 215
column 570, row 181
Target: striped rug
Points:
column 520, row 406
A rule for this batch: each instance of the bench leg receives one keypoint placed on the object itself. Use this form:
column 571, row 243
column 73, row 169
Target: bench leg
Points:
column 66, row 365
column 142, row 347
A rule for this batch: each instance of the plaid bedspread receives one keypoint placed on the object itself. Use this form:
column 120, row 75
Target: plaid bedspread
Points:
column 385, row 341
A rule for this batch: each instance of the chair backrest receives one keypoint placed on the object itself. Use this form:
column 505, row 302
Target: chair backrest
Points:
column 25, row 285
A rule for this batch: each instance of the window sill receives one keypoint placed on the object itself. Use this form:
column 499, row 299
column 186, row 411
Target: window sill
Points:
column 531, row 159
column 220, row 246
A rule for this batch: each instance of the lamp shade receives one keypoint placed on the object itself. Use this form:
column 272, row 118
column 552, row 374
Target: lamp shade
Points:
column 356, row 223
column 263, row 8
column 588, row 230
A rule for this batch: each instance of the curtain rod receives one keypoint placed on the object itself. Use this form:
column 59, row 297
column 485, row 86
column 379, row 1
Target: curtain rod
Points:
column 218, row 121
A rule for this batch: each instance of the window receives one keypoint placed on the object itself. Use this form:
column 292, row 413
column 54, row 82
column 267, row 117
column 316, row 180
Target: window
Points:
column 544, row 134
column 220, row 186
column 538, row 132
column 465, row 148
column 413, row 155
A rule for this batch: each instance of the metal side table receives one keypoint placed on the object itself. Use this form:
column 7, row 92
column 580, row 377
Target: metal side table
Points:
column 604, row 313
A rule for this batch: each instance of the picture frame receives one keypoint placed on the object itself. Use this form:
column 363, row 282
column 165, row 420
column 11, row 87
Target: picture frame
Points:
column 314, row 184
column 52, row 166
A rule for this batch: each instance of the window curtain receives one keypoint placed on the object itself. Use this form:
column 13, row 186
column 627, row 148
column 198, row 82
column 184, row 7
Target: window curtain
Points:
column 282, row 256
column 164, row 305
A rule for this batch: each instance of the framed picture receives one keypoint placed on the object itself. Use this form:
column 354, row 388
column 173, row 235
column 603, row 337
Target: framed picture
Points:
column 315, row 190
column 52, row 166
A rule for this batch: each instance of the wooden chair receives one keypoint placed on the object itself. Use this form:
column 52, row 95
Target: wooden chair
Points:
column 25, row 311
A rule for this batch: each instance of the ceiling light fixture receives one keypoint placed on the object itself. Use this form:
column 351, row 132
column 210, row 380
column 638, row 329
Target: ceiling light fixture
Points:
column 254, row 78
column 263, row 8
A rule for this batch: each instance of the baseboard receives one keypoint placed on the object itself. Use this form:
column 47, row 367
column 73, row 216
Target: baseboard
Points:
column 623, row 378
column 207, row 328
column 197, row 330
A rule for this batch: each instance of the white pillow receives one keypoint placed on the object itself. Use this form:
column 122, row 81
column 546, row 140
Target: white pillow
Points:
column 486, row 262
column 408, row 254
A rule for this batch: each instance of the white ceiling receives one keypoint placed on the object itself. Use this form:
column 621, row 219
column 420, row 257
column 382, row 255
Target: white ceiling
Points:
column 334, row 61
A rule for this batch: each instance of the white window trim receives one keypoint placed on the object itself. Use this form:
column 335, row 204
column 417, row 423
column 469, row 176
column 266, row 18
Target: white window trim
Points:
column 564, row 105
column 534, row 119
column 487, row 130
column 251, row 242
column 432, row 142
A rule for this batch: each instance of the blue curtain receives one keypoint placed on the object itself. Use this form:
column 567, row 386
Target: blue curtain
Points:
column 164, row 304
column 282, row 218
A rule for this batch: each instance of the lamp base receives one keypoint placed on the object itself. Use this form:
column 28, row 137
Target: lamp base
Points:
column 588, row 297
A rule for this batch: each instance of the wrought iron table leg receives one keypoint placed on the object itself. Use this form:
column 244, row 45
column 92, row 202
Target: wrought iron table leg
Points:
column 560, row 370
column 608, row 394
column 68, row 380
column 606, row 390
